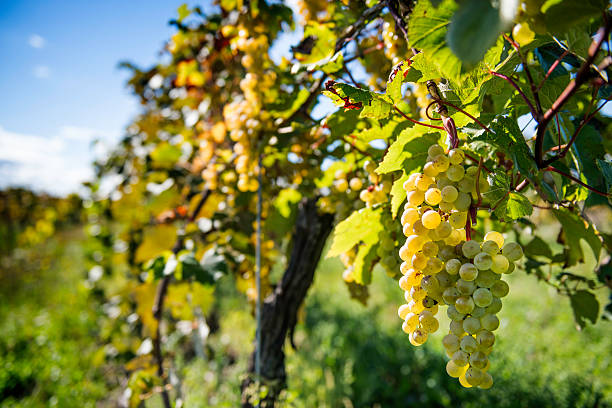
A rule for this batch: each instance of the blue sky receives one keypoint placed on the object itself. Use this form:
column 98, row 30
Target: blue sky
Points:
column 60, row 84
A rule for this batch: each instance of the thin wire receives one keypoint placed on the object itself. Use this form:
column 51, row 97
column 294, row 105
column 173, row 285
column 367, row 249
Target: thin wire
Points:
column 258, row 278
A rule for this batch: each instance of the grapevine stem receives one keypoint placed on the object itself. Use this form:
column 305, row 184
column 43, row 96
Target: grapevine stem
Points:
column 532, row 85
column 555, row 170
column 552, row 68
column 534, row 112
column 416, row 122
column 472, row 158
column 482, row 125
column 478, row 183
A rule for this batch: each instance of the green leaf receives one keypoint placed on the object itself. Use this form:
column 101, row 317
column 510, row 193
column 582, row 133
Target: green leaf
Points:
column 518, row 206
column 165, row 154
column 189, row 267
column 588, row 150
column 361, row 226
column 585, row 307
column 562, row 15
column 473, row 30
column 398, row 194
column 377, row 109
column 409, row 151
column 575, row 231
column 394, row 87
column 538, row 247
column 605, row 166
column 383, row 129
column 364, row 260
column 213, row 264
column 286, row 201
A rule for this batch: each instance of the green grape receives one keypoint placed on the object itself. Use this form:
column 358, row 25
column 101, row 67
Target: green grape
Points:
column 449, row 194
column 355, row 183
column 403, row 311
column 455, row 172
column 418, row 337
column 456, row 156
column 428, row 322
column 478, row 359
column 417, row 293
column 430, row 170
column 446, row 252
column 419, row 261
column 500, row 264
column 512, row 251
column 446, row 207
column 470, row 249
column 522, row 34
column 489, row 322
column 464, row 304
column 453, row 369
column 433, row 196
column 450, row 295
column 467, row 185
column 463, row 201
column 478, row 312
column 435, row 150
column 415, row 198
column 429, row 283
column 495, row 306
column 482, row 297
column 458, row 219
column 500, row 289
column 409, row 216
column 474, row 376
column 511, row 267
column 454, row 314
column 460, row 357
column 468, row 344
column 487, row 381
column 442, row 181
column 423, row 182
column 471, row 325
column 485, row 339
column 431, row 219
column 486, row 279
column 441, row 163
column 496, row 237
column 430, row 249
column 468, row 271
column 444, row 279
column 452, row 266
column 369, row 166
column 414, row 243
column 456, row 328
column 434, row 265
column 483, row 261
column 466, row 288
column 428, row 303
column 444, row 229
column 490, row 247
column 450, row 342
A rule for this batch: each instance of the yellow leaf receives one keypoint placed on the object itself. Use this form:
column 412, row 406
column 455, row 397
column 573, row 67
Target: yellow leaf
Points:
column 157, row 239
column 144, row 295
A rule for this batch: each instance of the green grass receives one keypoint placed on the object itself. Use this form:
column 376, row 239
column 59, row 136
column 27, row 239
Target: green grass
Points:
column 348, row 355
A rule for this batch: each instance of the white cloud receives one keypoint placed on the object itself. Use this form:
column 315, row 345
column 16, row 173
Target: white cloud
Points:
column 41, row 71
column 56, row 164
column 36, row 41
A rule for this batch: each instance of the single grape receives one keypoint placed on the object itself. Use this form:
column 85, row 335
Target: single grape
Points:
column 483, row 261
column 434, row 265
column 466, row 288
column 464, row 304
column 433, row 196
column 489, row 322
column 409, row 216
column 500, row 289
column 446, row 207
column 446, row 252
column 512, row 251
column 428, row 303
column 485, row 339
column 404, row 253
column 429, row 283
column 470, row 249
column 413, row 277
column 523, row 34
column 415, row 307
column 450, row 342
column 431, row 219
column 486, row 279
column 414, row 243
column 422, row 182
column 369, row 166
column 464, row 383
column 430, row 249
column 458, row 219
column 442, row 181
column 366, row 196
column 444, row 279
column 435, row 150
column 417, row 293
column 467, row 185
column 474, row 376
column 419, row 261
column 487, row 381
column 456, row 156
column 460, row 357
column 449, row 194
column 468, row 344
column 453, row 266
column 403, row 311
column 355, row 183
column 341, row 185
column 490, row 247
column 511, row 267
column 482, row 297
column 418, row 337
column 403, row 283
column 454, row 314
column 418, row 228
column 495, row 306
column 429, row 323
column 415, row 198
column 496, row 237
column 468, row 271
column 454, row 370
column 463, row 201
column 478, row 312
column 500, row 264
column 456, row 328
column 450, row 295
column 455, row 172
column 471, row 325
column 441, row 163
column 478, row 359
column 430, row 170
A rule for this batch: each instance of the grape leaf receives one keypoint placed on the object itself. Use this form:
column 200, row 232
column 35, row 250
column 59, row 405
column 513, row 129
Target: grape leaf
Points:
column 538, row 247
column 508, row 204
column 606, row 171
column 585, row 307
column 518, row 206
column 473, row 30
column 394, row 85
column 562, row 15
column 381, row 129
column 361, row 226
column 409, row 151
column 575, row 230
column 398, row 194
column 587, row 149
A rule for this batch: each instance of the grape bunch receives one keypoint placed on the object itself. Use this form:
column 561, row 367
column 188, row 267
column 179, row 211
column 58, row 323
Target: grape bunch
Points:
column 440, row 268
column 473, row 303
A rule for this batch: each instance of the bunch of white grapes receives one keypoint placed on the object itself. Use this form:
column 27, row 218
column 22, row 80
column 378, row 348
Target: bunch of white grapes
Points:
column 437, row 270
